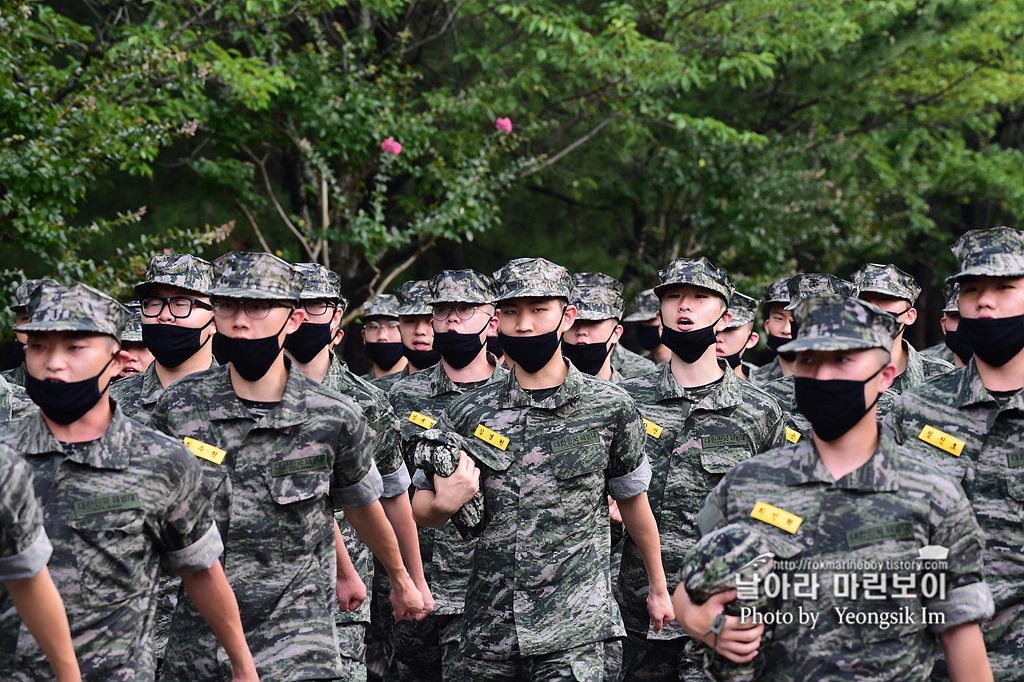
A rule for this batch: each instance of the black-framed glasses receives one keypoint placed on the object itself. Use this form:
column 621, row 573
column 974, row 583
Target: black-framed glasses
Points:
column 463, row 310
column 180, row 306
column 387, row 324
column 256, row 309
column 318, row 308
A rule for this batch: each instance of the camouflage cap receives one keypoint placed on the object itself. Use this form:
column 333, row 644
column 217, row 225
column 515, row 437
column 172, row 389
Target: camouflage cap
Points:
column 777, row 292
column 532, row 277
column 952, row 292
column 25, row 290
column 318, row 282
column 840, row 323
column 888, row 280
column 743, row 309
column 133, row 328
column 181, row 270
column 381, row 305
column 698, row 272
column 245, row 274
column 74, row 308
column 461, row 286
column 414, row 298
column 597, row 296
column 647, row 307
column 714, row 563
column 998, row 252
column 812, row 284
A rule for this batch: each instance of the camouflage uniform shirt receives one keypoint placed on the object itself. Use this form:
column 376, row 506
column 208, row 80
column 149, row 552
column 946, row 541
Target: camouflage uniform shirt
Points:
column 540, row 580
column 24, row 546
column 765, row 373
column 690, row 444
column 138, row 393
column 385, row 382
column 886, row 510
column 920, row 368
column 628, row 364
column 14, row 402
column 15, row 376
column 272, row 496
column 117, row 510
column 941, row 351
column 991, row 469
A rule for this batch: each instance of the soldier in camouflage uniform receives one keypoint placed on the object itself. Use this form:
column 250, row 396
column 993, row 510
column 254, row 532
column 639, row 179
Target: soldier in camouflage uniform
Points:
column 138, row 356
column 596, row 295
column 463, row 311
column 894, row 291
column 949, row 322
column 16, row 376
column 415, row 327
column 778, row 330
column 120, row 501
column 550, row 443
column 382, row 341
column 309, row 346
column 177, row 325
column 24, row 551
column 701, row 419
column 739, row 335
column 850, row 516
column 278, row 453
column 14, row 402
column 648, row 328
column 970, row 422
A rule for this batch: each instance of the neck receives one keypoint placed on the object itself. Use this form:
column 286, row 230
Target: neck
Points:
column 550, row 375
column 317, row 368
column 478, row 370
column 899, row 355
column 740, row 371
column 699, row 373
column 661, row 354
column 201, row 361
column 606, row 369
column 379, row 371
column 788, row 366
column 1009, row 377
column 853, row 449
column 90, row 426
column 267, row 389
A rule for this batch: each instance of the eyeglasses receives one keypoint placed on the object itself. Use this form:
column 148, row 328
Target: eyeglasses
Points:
column 180, row 306
column 464, row 311
column 389, row 324
column 256, row 309
column 318, row 308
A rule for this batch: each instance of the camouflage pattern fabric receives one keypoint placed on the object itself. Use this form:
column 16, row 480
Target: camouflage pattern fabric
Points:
column 578, row 664
column 426, row 650
column 461, row 286
column 540, row 581
column 274, row 494
column 692, row 439
column 951, row 290
column 181, row 270
column 24, row 545
column 414, row 298
column 777, row 292
column 647, row 307
column 241, row 274
column 743, row 309
column 132, row 331
column 25, row 290
column 765, row 374
column 318, row 282
column 597, row 279
column 831, row 323
column 526, row 277
column 990, row 467
column 437, row 454
column 889, row 509
column 14, row 401
column 597, row 296
column 998, row 252
column 382, row 305
column 15, row 376
column 814, row 284
column 888, row 280
column 698, row 272
column 627, row 364
column 940, row 351
column 117, row 510
column 137, row 394
column 385, row 382
column 74, row 308
column 920, row 368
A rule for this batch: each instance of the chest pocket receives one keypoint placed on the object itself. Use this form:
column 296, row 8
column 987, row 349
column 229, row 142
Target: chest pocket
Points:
column 580, row 479
column 113, row 556
column 721, row 452
column 299, row 479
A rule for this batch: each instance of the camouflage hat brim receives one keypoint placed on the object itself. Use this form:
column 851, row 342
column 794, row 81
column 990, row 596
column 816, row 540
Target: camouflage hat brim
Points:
column 1013, row 269
column 827, row 343
column 241, row 292
column 64, row 326
column 870, row 289
column 141, row 289
column 531, row 291
column 722, row 293
column 640, row 317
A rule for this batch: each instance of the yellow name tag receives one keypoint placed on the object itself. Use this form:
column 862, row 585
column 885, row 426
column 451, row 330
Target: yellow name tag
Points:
column 422, row 420
column 791, row 435
column 943, row 441
column 496, row 439
column 653, row 429
column 205, row 450
column 779, row 518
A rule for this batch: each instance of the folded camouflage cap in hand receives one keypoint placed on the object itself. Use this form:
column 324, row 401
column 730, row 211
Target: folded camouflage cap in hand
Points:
column 74, row 308
column 998, row 252
column 256, row 275
column 840, row 323
column 437, row 452
column 888, row 280
column 461, row 286
column 181, row 270
column 698, row 272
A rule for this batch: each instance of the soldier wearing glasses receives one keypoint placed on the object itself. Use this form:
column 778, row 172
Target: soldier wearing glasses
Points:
column 382, row 342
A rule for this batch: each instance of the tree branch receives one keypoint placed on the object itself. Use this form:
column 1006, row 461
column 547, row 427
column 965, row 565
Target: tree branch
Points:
column 262, row 164
column 399, row 269
column 252, row 221
column 554, row 159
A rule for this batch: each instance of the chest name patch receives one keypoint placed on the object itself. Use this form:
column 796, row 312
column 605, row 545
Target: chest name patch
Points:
column 496, row 439
column 653, row 430
column 106, row 503
column 792, row 435
column 205, row 451
column 422, row 420
column 780, row 518
column 297, row 466
column 941, row 440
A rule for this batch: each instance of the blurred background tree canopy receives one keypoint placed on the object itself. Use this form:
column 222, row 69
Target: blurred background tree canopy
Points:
column 771, row 136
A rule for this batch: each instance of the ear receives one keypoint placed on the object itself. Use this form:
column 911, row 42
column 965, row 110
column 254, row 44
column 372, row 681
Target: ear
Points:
column 568, row 318
column 752, row 341
column 617, row 334
column 910, row 317
column 724, row 321
column 888, row 375
column 121, row 358
column 295, row 321
column 492, row 325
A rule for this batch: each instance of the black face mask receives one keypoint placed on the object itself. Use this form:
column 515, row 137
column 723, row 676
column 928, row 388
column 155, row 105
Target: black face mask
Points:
column 306, row 342
column 532, row 352
column 251, row 358
column 66, row 402
column 649, row 337
column 773, row 342
column 994, row 341
column 691, row 345
column 734, row 360
column 832, row 406
column 422, row 359
column 458, row 350
column 171, row 344
column 384, row 355
column 587, row 357
column 494, row 346
column 957, row 345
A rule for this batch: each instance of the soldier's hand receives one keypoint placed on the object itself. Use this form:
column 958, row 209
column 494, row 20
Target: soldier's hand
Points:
column 428, row 600
column 244, row 676
column 406, row 599
column 351, row 592
column 613, row 512
column 451, row 492
column 659, row 606
column 738, row 641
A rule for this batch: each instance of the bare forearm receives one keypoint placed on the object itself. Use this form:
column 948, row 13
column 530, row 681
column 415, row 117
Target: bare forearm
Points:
column 965, row 653
column 399, row 513
column 425, row 512
column 215, row 601
column 643, row 529
column 41, row 608
column 372, row 525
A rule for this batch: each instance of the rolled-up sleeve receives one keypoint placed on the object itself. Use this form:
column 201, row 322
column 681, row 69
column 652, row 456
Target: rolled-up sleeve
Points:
column 197, row 556
column 362, row 493
column 631, row 484
column 965, row 604
column 29, row 561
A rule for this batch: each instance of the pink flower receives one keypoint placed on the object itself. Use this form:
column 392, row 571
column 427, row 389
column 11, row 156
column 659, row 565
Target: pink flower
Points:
column 391, row 147
column 504, row 125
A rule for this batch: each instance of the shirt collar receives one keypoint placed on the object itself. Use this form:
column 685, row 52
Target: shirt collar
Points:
column 565, row 396
column 878, row 474
column 111, row 451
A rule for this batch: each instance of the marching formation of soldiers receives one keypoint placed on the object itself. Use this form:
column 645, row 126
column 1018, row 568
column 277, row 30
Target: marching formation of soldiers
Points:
column 196, row 488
